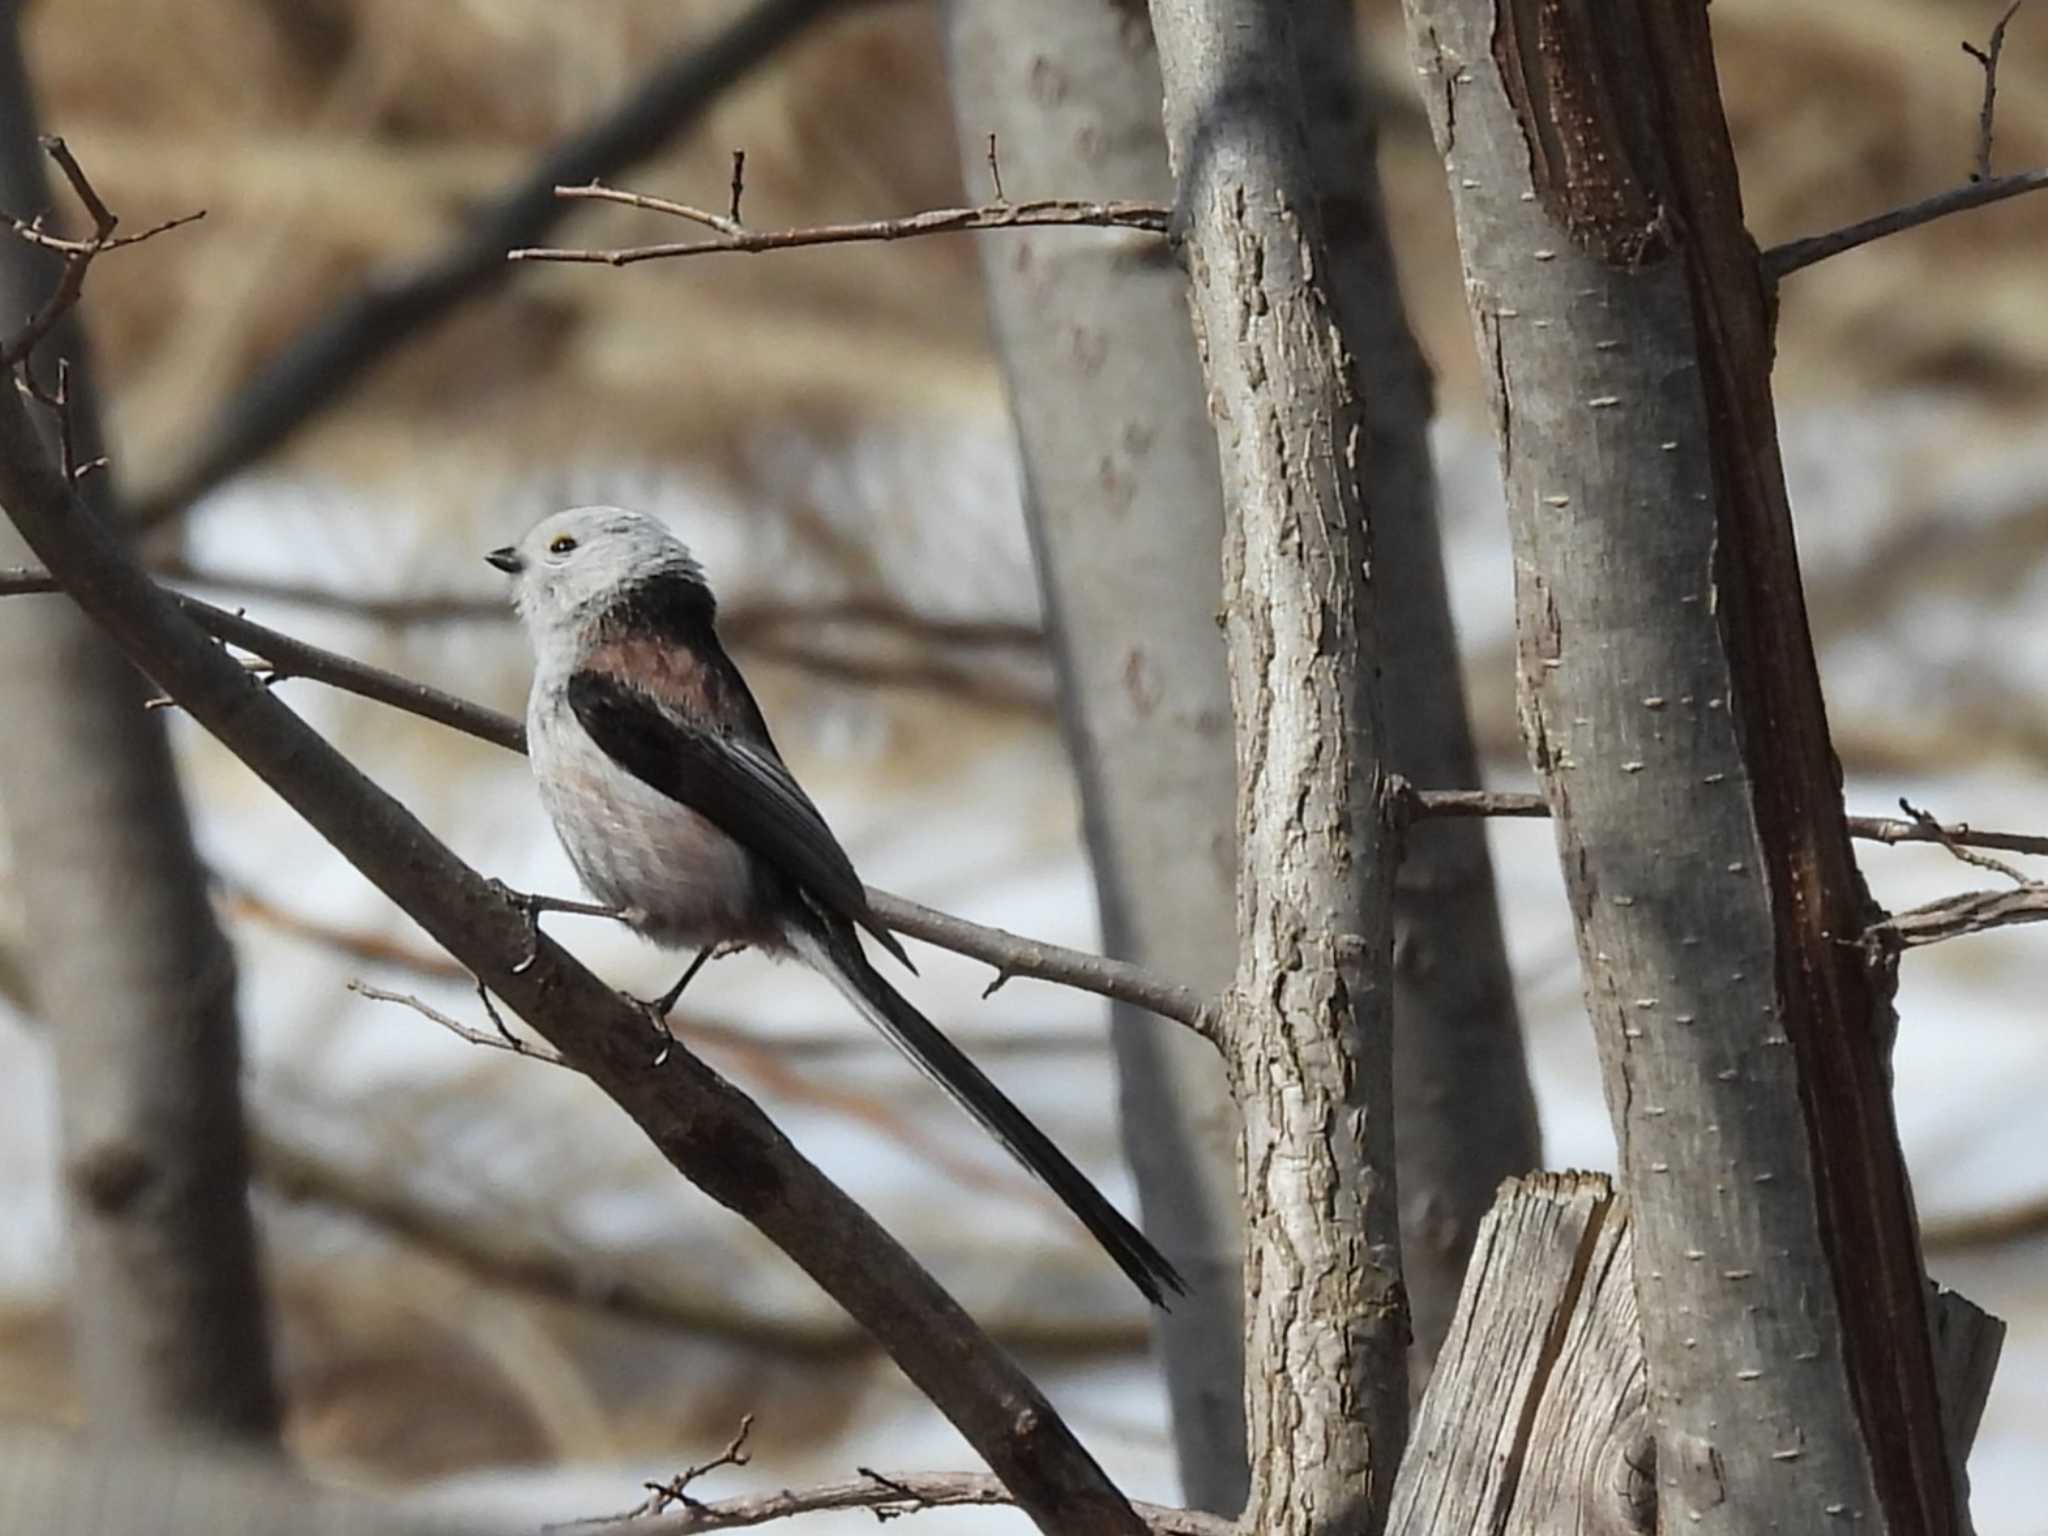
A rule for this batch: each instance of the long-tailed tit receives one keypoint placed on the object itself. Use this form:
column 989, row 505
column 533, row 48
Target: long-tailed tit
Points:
column 674, row 806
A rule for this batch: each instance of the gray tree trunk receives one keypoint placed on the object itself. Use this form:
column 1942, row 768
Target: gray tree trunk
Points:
column 130, row 970
column 1672, row 707
column 1308, row 1024
column 1126, row 519
column 1465, row 1115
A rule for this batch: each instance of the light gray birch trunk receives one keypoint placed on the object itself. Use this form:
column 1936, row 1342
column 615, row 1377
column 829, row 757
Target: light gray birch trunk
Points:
column 129, row 969
column 1126, row 519
column 1465, row 1115
column 1308, row 1023
column 1672, row 707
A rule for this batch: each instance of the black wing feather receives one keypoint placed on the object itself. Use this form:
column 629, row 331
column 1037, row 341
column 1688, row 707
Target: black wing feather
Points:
column 739, row 786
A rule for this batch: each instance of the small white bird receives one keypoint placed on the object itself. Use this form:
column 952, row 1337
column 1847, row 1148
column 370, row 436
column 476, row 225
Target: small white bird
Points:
column 657, row 768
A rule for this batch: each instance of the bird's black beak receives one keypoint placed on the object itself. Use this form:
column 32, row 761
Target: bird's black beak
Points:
column 507, row 560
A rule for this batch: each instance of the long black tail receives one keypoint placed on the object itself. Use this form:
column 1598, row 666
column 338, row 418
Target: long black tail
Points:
column 834, row 951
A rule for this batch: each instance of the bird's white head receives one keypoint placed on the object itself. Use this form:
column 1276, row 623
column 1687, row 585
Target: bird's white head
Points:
column 574, row 566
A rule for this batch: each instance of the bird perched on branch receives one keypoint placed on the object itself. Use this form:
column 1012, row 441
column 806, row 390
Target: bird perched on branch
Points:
column 657, row 768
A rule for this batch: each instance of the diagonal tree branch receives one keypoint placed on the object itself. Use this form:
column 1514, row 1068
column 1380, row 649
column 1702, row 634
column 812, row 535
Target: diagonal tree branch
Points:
column 396, row 306
column 706, row 1128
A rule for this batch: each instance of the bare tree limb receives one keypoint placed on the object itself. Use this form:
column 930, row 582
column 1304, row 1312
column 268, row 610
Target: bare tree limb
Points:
column 707, row 1129
column 731, row 235
column 1013, row 955
column 1979, row 191
column 398, row 305
column 1955, row 917
column 898, row 1493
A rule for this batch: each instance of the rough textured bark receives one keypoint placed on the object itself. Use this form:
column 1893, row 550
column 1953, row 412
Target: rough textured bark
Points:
column 706, row 1128
column 131, row 971
column 1465, row 1115
column 1308, row 1024
column 1126, row 519
column 1672, row 707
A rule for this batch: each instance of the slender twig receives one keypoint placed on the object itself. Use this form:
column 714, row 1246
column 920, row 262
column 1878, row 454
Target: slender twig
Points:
column 1013, row 956
column 397, row 306
column 728, row 235
column 1987, row 57
column 1981, row 189
column 676, row 1490
column 1957, row 849
column 1782, row 260
column 995, row 171
column 78, row 254
column 899, row 1493
column 739, row 180
column 502, row 1040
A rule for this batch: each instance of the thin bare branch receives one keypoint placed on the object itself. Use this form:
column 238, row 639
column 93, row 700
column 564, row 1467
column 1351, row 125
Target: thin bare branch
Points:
column 729, row 235
column 1782, row 260
column 1013, row 955
column 1958, row 849
column 677, row 1489
column 898, row 1493
column 503, row 1040
column 78, row 254
column 1987, row 57
column 1980, row 190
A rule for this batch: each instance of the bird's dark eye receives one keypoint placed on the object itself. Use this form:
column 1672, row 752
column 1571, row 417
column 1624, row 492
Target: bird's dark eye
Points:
column 561, row 544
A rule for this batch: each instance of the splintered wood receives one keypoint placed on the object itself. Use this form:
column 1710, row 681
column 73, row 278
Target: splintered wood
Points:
column 1537, row 1420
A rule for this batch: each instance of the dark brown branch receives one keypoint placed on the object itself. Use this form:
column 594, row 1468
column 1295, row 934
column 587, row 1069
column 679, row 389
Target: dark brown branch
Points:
column 706, row 1128
column 398, row 305
column 730, row 235
column 899, row 1493
column 1987, row 56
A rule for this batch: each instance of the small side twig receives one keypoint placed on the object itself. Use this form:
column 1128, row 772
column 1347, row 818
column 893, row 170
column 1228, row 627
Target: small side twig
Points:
column 1980, row 190
column 1956, row 847
column 78, row 254
column 901, row 1493
column 739, row 181
column 503, row 1040
column 677, row 1489
column 730, row 235
column 1987, row 57
column 995, row 171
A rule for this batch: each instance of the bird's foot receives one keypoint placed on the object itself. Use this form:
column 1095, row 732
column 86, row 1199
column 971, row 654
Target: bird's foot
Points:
column 532, row 905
